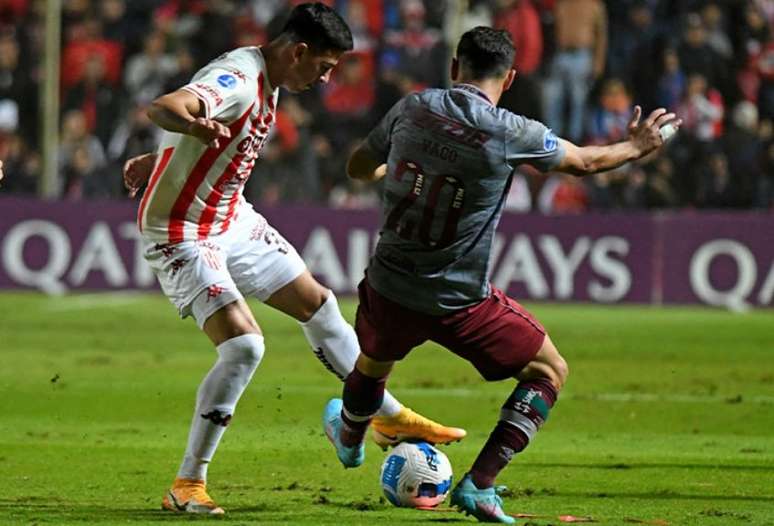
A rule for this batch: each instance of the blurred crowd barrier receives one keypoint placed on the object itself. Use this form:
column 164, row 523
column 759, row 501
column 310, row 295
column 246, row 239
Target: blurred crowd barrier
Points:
column 720, row 259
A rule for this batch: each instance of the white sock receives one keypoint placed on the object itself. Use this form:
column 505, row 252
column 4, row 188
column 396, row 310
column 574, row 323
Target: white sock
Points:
column 216, row 400
column 334, row 342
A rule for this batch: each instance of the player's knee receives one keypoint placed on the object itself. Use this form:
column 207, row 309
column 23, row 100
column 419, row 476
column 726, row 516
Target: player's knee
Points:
column 556, row 368
column 560, row 371
column 246, row 349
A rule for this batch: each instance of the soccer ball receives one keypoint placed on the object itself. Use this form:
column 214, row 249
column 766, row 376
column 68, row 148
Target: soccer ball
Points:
column 416, row 475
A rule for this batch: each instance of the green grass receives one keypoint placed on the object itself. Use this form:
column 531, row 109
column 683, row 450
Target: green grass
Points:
column 668, row 416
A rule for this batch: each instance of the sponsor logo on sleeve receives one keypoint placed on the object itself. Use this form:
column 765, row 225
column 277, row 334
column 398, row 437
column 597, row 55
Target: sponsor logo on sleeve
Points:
column 228, row 81
column 238, row 74
column 550, row 141
column 212, row 92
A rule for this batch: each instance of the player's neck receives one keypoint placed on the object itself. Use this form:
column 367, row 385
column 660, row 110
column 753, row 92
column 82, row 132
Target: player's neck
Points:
column 275, row 66
column 493, row 90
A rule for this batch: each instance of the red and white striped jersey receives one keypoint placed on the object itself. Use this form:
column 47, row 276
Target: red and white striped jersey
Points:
column 194, row 191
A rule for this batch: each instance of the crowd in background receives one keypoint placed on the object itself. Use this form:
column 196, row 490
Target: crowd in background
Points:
column 583, row 65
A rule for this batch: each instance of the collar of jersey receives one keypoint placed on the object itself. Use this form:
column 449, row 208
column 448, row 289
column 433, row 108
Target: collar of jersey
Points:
column 470, row 88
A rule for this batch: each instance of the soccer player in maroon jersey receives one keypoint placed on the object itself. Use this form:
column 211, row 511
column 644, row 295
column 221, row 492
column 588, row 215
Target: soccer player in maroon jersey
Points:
column 447, row 157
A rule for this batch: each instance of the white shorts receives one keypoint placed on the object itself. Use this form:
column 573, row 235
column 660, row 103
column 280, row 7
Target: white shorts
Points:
column 201, row 277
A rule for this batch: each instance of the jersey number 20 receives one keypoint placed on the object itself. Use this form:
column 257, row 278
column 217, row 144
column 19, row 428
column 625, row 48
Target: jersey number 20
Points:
column 406, row 228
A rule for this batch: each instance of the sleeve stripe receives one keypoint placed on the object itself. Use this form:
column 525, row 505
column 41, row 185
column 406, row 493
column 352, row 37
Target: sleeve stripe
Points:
column 202, row 97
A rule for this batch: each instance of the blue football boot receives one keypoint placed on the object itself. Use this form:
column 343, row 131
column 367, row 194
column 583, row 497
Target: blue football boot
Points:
column 484, row 504
column 351, row 457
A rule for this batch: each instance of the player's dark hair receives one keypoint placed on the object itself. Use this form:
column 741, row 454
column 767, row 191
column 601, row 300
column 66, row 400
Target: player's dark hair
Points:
column 486, row 52
column 318, row 26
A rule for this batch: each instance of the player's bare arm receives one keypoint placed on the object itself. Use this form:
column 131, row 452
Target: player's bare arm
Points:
column 1, row 170
column 364, row 165
column 137, row 171
column 644, row 138
column 183, row 112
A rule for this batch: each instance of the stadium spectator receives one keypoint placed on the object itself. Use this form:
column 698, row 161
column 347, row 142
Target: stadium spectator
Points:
column 420, row 49
column 85, row 42
column 743, row 147
column 671, row 84
column 215, row 34
column 581, row 52
column 698, row 57
column 348, row 98
column 765, row 188
column 12, row 10
column 634, row 194
column 610, row 117
column 99, row 101
column 289, row 170
column 713, row 18
column 16, row 87
column 147, row 72
column 634, row 51
column 522, row 21
column 353, row 195
column 83, row 176
column 134, row 136
column 701, row 110
column 21, row 166
column 75, row 135
column 364, row 28
column 718, row 189
column 116, row 26
column 660, row 191
column 563, row 194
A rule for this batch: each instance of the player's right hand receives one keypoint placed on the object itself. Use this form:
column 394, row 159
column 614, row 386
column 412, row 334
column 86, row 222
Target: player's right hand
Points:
column 137, row 171
column 208, row 131
column 645, row 135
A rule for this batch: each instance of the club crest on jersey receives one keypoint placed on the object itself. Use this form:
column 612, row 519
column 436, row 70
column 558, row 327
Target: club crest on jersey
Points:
column 228, row 81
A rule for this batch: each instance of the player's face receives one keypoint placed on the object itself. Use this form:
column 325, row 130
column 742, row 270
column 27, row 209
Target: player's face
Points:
column 310, row 68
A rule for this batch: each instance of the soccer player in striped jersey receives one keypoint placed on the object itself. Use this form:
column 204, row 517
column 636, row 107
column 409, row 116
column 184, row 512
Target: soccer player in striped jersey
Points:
column 210, row 249
column 447, row 157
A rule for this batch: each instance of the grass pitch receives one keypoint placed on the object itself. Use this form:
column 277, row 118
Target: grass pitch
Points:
column 668, row 418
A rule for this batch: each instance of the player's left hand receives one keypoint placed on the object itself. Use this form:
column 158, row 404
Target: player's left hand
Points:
column 137, row 171
column 646, row 136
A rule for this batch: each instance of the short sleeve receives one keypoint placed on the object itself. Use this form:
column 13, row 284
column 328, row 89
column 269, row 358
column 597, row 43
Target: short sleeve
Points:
column 378, row 140
column 531, row 142
column 226, row 95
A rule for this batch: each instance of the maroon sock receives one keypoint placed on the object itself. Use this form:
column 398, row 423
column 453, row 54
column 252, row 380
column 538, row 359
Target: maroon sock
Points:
column 363, row 397
column 528, row 407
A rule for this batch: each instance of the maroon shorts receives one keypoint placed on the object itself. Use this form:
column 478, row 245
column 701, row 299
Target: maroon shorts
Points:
column 498, row 336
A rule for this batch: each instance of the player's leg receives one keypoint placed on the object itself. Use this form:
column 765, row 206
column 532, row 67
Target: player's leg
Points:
column 266, row 266
column 195, row 278
column 240, row 347
column 332, row 339
column 381, row 329
column 521, row 416
column 346, row 421
column 523, row 413
column 502, row 340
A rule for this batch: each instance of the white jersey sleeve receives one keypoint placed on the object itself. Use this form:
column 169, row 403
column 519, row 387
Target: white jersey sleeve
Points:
column 226, row 86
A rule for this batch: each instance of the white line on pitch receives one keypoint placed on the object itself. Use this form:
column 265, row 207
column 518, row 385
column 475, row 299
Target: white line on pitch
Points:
column 604, row 397
column 91, row 301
